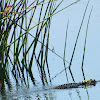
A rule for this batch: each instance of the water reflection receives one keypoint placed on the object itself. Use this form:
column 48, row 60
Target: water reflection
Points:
column 28, row 94
column 21, row 71
column 42, row 93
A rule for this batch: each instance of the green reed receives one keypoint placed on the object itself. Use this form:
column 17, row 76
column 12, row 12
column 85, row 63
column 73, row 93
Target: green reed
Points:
column 17, row 54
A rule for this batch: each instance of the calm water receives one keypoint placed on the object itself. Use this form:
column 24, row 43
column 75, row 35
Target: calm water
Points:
column 57, row 36
column 38, row 93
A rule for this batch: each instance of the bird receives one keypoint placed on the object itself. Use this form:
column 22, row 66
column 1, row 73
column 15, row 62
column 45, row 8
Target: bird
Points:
column 0, row 85
column 7, row 9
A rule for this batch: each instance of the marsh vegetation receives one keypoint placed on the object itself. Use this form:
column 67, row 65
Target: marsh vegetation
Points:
column 25, row 42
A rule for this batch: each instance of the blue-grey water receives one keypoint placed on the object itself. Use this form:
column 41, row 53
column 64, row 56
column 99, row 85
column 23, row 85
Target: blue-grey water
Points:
column 57, row 37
